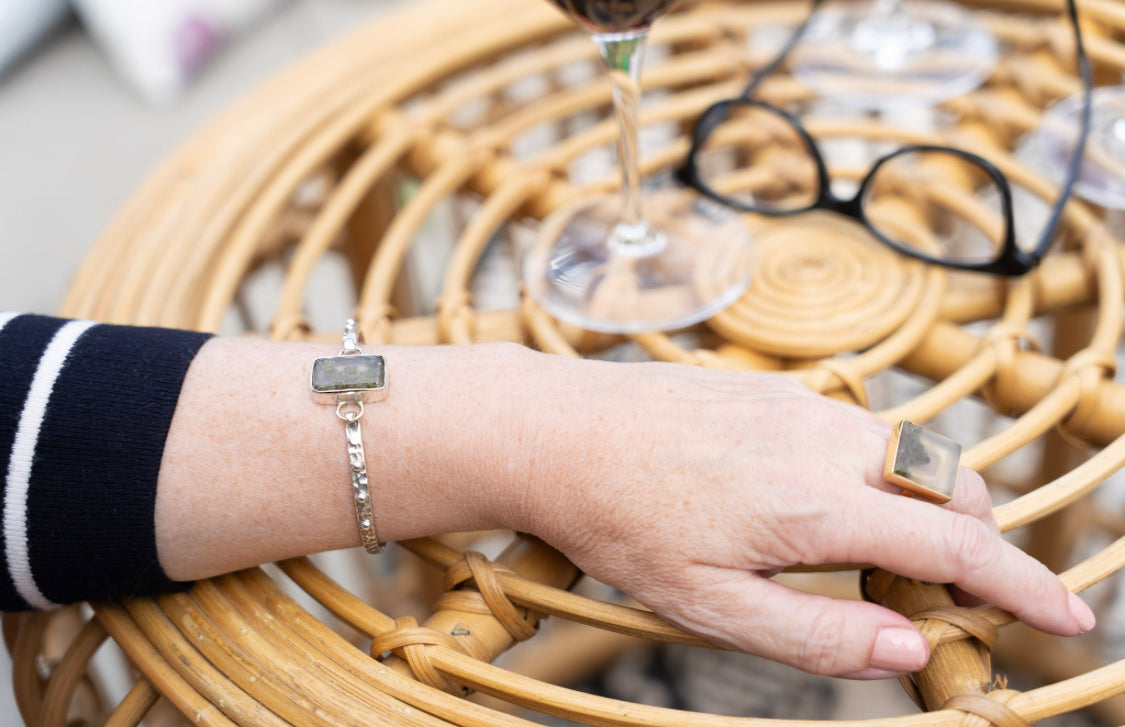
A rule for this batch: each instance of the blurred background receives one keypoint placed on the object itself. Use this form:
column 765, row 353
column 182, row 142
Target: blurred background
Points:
column 93, row 94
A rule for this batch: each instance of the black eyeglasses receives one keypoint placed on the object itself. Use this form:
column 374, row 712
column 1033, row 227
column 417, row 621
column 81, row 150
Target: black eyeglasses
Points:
column 932, row 202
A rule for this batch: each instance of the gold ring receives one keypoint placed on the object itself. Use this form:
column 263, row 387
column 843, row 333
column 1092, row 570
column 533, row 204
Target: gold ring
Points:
column 923, row 463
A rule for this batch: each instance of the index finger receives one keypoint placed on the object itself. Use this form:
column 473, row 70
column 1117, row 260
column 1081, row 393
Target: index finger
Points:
column 919, row 540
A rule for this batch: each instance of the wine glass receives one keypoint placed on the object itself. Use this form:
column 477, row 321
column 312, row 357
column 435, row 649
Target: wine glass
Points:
column 878, row 54
column 1101, row 178
column 638, row 260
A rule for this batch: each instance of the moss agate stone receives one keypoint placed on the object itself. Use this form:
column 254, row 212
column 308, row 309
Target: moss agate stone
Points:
column 922, row 462
column 341, row 374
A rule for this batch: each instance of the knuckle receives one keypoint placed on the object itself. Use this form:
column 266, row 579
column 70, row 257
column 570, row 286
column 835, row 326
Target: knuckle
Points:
column 975, row 499
column 822, row 650
column 833, row 424
column 972, row 544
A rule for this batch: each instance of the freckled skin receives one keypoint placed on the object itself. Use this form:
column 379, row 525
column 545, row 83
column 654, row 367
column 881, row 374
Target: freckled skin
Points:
column 685, row 487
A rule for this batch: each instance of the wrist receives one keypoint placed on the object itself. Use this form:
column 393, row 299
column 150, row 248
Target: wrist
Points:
column 254, row 470
column 456, row 434
column 564, row 407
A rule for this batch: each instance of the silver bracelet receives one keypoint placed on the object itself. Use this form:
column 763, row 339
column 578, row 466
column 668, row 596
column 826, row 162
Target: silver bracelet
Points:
column 349, row 381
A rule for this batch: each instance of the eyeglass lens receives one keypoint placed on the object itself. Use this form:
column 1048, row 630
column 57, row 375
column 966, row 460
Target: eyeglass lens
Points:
column 936, row 203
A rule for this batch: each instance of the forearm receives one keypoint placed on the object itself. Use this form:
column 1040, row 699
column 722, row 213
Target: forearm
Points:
column 254, row 470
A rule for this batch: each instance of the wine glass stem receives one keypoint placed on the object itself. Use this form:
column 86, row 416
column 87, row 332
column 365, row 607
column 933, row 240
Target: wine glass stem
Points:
column 623, row 54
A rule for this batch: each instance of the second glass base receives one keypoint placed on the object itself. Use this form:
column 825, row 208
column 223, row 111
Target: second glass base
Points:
column 696, row 260
column 1101, row 178
column 926, row 51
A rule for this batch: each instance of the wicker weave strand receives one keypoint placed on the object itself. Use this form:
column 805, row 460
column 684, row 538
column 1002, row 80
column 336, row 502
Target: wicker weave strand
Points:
column 992, row 708
column 411, row 641
column 381, row 162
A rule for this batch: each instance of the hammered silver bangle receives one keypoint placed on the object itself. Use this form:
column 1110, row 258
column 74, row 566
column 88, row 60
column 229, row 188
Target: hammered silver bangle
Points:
column 349, row 381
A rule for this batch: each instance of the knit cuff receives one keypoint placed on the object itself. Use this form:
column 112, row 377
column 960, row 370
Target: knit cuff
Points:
column 84, row 414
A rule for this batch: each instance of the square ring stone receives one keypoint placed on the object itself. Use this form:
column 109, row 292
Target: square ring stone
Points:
column 364, row 374
column 922, row 462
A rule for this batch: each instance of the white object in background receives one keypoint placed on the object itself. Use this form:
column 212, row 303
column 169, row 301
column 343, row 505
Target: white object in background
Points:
column 159, row 46
column 24, row 22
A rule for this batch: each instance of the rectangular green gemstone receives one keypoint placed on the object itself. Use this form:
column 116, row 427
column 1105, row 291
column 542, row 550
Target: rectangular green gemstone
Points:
column 340, row 374
column 927, row 459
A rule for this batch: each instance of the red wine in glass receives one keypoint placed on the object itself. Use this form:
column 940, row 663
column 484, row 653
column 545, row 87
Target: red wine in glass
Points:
column 614, row 16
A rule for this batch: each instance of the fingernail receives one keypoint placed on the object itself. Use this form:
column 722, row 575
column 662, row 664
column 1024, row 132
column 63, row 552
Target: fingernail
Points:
column 899, row 650
column 1081, row 613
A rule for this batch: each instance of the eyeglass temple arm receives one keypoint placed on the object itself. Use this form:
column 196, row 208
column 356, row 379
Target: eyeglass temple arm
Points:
column 795, row 37
column 1085, row 71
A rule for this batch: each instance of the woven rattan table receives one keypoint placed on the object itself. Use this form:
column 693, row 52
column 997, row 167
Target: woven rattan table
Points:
column 425, row 146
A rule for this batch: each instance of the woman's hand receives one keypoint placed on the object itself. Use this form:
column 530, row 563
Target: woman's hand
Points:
column 685, row 487
column 688, row 488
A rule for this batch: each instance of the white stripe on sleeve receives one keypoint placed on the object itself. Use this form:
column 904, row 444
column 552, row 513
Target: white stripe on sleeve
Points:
column 6, row 317
column 23, row 454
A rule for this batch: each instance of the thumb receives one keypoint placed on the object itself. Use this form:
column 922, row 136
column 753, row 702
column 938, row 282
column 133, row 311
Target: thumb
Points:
column 817, row 634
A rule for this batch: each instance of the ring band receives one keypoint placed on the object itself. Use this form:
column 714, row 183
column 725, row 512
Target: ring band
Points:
column 922, row 462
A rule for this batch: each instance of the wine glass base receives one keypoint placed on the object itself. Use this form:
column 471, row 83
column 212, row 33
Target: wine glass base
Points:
column 1101, row 178
column 696, row 261
column 924, row 52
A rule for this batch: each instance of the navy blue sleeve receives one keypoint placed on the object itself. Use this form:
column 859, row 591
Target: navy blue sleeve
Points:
column 85, row 410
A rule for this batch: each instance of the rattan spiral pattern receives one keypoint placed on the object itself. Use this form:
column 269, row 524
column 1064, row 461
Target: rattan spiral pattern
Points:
column 444, row 132
column 822, row 287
